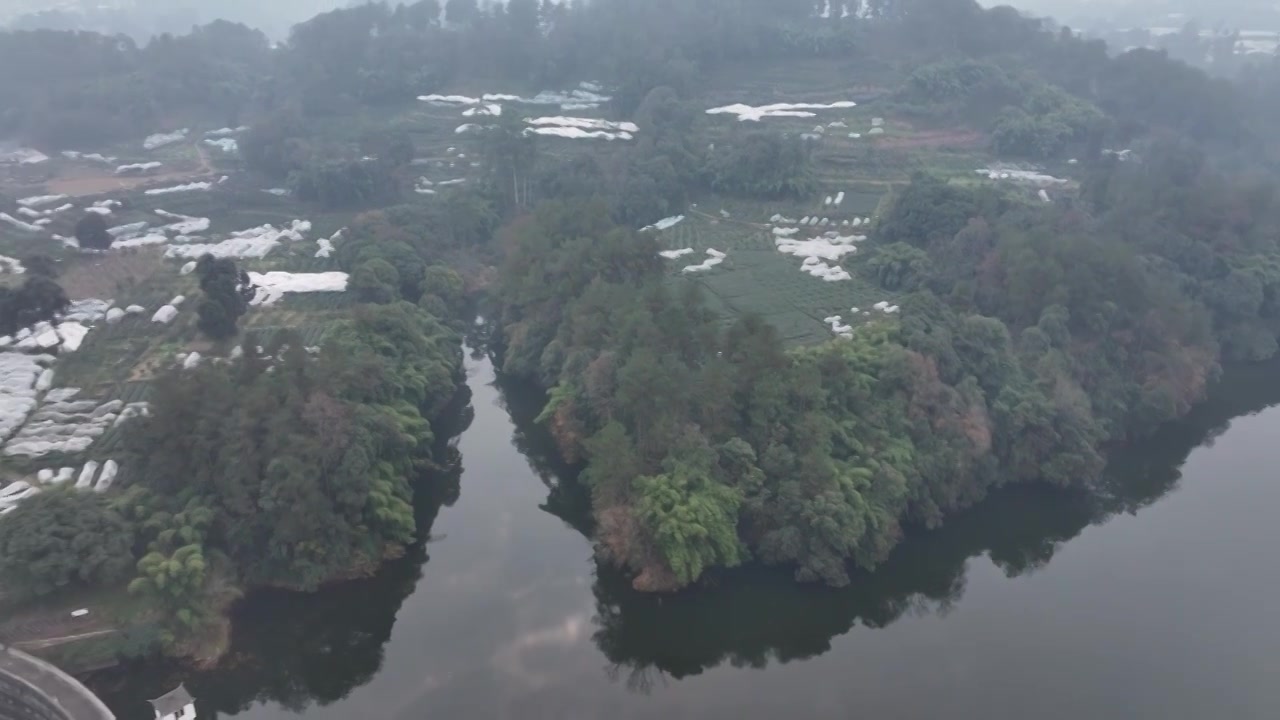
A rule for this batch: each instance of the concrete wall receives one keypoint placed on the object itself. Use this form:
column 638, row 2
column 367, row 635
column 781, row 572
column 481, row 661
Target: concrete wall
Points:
column 31, row 689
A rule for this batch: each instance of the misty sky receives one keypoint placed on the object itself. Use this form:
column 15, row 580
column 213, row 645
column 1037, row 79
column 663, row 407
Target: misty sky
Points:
column 142, row 18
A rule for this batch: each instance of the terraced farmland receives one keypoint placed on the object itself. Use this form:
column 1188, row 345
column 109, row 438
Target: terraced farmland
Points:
column 755, row 278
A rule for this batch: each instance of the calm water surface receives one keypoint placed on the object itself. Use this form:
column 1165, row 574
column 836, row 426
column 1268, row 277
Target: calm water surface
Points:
column 1156, row 600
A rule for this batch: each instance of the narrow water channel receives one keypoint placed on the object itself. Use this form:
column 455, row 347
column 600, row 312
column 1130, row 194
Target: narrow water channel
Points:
column 1155, row 600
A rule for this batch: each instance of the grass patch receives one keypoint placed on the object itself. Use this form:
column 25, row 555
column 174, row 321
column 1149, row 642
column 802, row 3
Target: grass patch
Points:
column 757, row 279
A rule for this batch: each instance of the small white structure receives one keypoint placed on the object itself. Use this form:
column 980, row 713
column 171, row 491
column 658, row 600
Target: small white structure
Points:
column 177, row 704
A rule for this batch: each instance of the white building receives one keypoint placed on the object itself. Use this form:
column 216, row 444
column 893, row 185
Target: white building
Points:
column 176, row 704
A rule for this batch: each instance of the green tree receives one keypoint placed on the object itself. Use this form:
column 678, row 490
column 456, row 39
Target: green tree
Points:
column 376, row 281
column 227, row 292
column 692, row 517
column 91, row 232
column 60, row 539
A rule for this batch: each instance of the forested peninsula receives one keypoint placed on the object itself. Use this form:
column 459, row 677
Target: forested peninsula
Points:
column 1021, row 331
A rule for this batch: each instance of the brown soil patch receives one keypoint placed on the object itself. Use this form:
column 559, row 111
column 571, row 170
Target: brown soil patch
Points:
column 933, row 139
column 147, row 368
column 103, row 276
column 98, row 181
column 93, row 183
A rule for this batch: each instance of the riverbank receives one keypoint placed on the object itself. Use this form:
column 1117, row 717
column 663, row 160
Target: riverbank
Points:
column 503, row 612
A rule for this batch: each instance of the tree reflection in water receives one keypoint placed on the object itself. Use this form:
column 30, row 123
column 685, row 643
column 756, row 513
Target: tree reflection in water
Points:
column 301, row 650
column 751, row 616
column 304, row 649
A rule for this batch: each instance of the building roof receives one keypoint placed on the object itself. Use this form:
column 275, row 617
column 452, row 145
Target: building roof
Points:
column 172, row 702
column 51, row 685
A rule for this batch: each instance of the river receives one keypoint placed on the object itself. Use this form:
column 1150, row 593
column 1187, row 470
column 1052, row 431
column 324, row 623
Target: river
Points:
column 1152, row 600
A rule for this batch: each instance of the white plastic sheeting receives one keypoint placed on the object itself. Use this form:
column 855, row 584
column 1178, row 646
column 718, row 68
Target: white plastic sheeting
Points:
column 255, row 242
column 31, row 213
column 674, row 254
column 189, row 187
column 272, row 286
column 88, row 310
column 114, row 315
column 132, row 410
column 580, row 128
column 715, row 257
column 160, row 140
column 757, row 113
column 586, row 95
column 23, row 156
column 817, row 252
column 141, row 241
column 11, row 266
column 192, row 361
column 109, row 471
column 137, row 168
column 490, row 109
column 584, row 123
column 87, row 474
column 28, row 227
column 165, row 314
column 127, row 230
column 325, row 245
column 38, row 200
column 72, row 335
column 226, row 131
column 64, row 425
column 95, row 157
column 184, row 225
column 14, row 494
column 226, row 145
column 445, row 100
column 18, row 375
column 1029, row 177
column 838, row 327
column 104, row 207
column 664, row 224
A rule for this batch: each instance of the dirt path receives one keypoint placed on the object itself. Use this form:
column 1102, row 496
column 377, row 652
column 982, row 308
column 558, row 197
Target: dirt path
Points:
column 42, row 629
column 56, row 641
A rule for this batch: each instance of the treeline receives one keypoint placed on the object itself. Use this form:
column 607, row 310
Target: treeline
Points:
column 1031, row 337
column 282, row 465
column 286, row 467
column 1034, row 337
column 79, row 89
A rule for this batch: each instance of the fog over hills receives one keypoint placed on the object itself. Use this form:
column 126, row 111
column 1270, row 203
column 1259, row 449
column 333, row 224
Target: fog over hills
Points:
column 143, row 18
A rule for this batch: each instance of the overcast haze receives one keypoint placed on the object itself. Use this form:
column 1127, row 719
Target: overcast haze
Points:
column 143, row 18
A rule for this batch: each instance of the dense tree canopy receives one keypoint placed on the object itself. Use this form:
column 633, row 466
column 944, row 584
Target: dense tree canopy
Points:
column 61, row 539
column 1030, row 334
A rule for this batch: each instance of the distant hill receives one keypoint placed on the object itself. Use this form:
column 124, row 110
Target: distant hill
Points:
column 142, row 19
